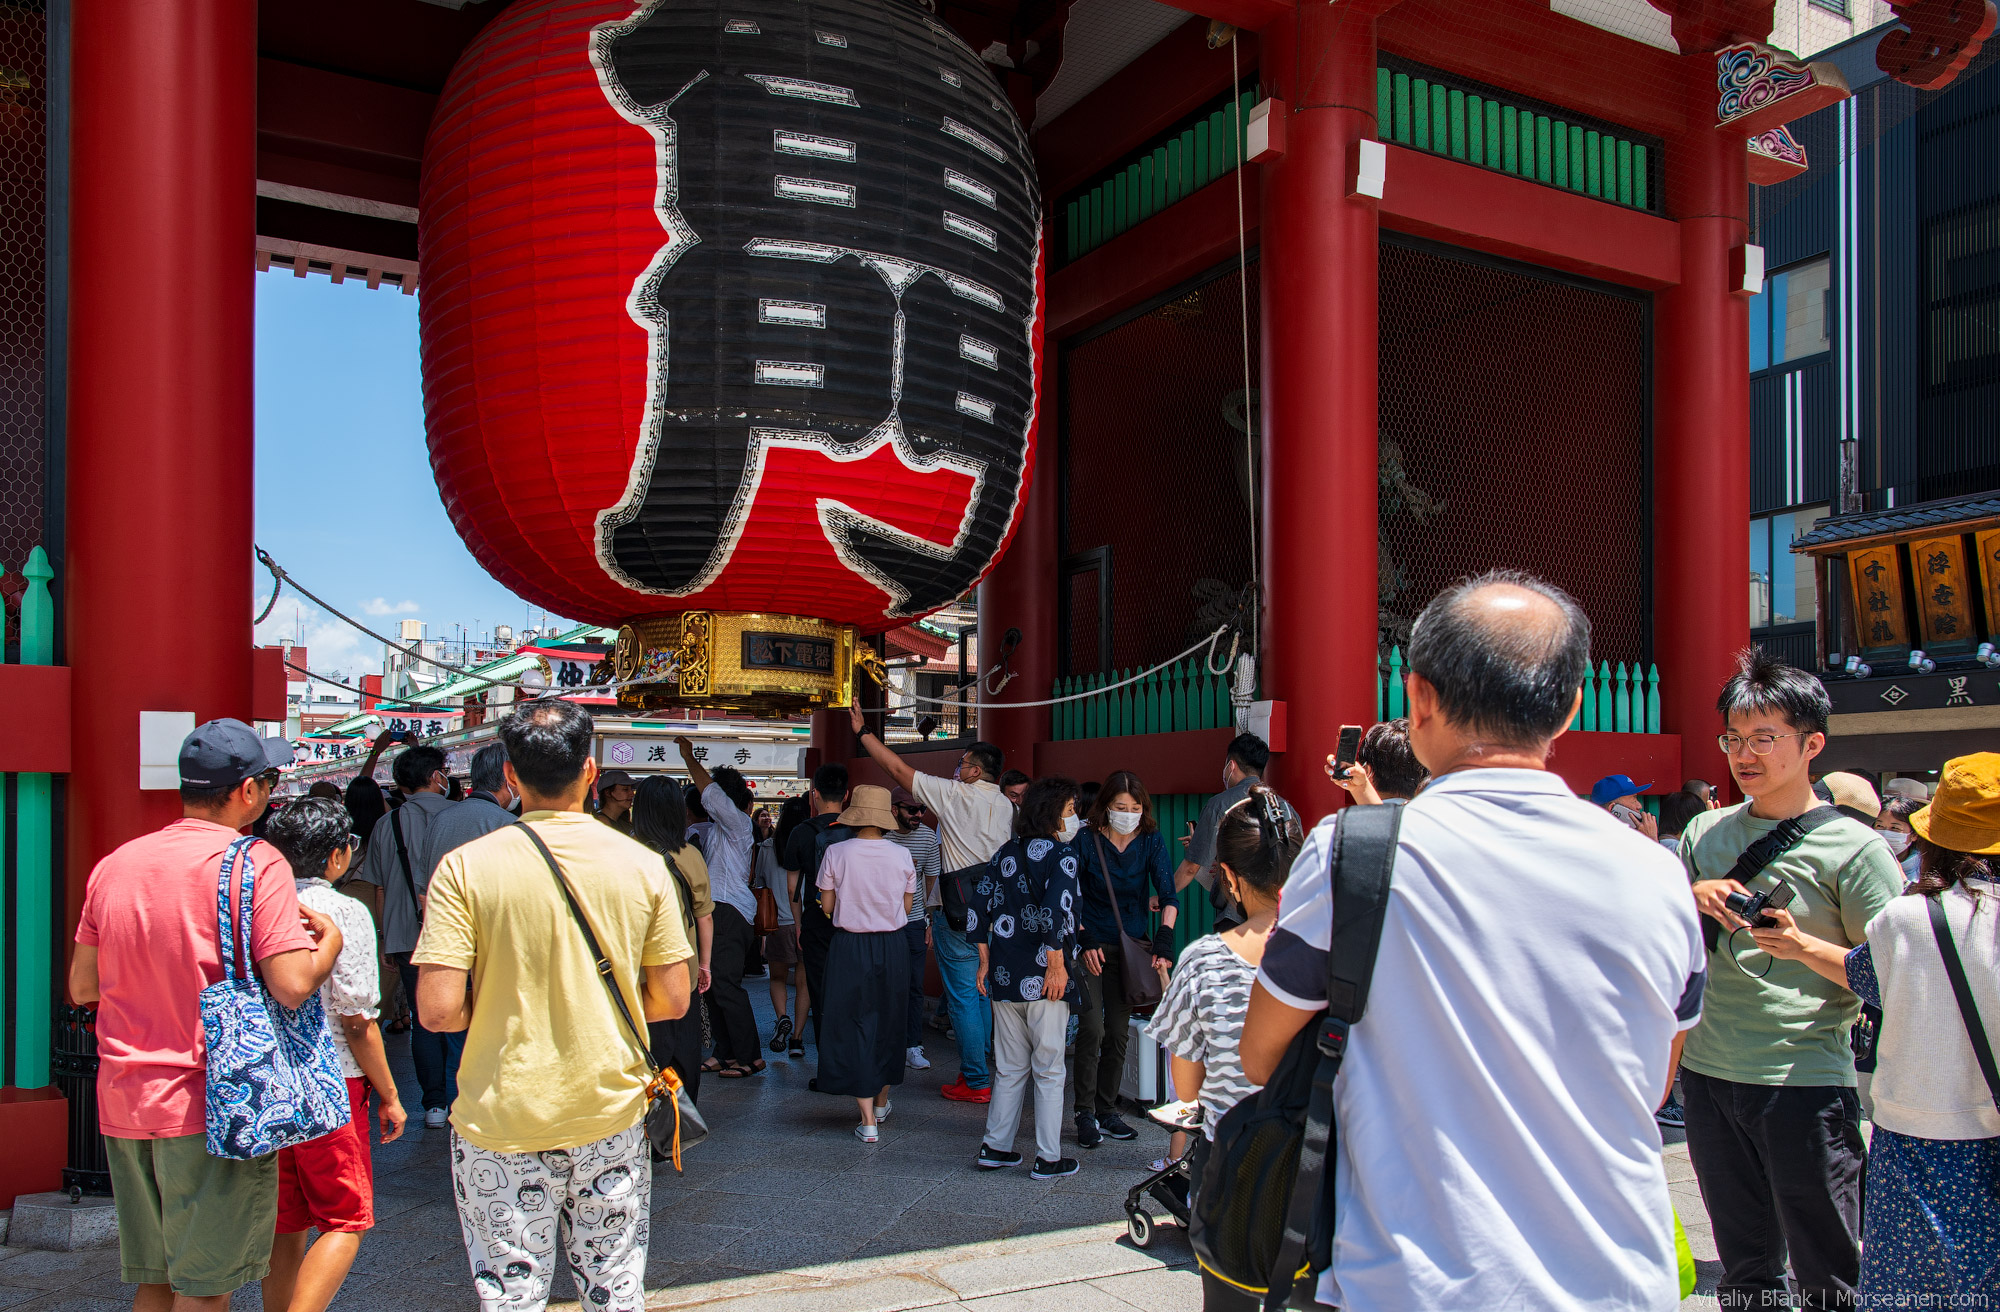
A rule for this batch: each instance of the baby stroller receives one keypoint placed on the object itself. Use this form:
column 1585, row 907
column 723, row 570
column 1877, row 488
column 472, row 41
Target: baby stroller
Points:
column 1173, row 1184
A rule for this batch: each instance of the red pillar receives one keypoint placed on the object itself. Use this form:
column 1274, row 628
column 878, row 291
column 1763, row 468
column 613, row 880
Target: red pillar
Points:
column 157, row 576
column 1319, row 271
column 1701, row 437
column 1020, row 593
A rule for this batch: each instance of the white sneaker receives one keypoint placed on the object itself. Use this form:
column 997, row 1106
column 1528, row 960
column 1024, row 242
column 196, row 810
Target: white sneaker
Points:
column 914, row 1058
column 437, row 1118
column 882, row 1112
column 867, row 1134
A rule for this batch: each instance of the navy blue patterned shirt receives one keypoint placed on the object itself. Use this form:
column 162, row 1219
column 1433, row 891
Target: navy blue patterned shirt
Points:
column 1023, row 909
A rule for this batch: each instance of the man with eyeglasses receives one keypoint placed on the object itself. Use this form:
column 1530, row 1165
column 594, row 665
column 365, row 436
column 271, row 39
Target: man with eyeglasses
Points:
column 402, row 852
column 1767, row 1077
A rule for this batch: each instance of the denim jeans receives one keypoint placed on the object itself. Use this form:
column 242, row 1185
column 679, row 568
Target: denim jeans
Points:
column 971, row 1014
column 920, row 951
column 436, row 1055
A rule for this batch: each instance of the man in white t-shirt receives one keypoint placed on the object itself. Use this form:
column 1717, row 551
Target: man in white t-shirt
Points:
column 1540, row 964
column 726, row 797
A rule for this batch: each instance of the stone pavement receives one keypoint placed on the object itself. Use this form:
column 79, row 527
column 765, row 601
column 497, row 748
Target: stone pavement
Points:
column 783, row 1210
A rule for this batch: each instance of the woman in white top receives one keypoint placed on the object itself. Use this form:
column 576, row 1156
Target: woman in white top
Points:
column 1932, row 1235
column 866, row 885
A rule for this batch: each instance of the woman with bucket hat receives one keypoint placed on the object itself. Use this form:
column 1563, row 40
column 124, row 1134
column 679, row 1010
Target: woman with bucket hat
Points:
column 1932, row 964
column 866, row 885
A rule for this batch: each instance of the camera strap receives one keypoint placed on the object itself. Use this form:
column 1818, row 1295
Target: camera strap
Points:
column 1788, row 835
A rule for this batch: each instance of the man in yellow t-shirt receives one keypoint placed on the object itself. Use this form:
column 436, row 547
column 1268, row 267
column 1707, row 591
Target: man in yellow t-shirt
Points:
column 551, row 1090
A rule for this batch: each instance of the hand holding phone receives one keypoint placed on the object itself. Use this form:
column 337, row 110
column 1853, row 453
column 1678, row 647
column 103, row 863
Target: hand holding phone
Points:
column 1349, row 748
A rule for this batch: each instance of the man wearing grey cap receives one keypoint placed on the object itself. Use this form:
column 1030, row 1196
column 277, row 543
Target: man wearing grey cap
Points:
column 190, row 1226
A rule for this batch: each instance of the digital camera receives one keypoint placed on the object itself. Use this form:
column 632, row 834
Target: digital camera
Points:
column 1751, row 906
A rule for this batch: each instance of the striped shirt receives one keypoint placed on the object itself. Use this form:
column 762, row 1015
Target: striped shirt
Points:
column 1201, row 1019
column 922, row 844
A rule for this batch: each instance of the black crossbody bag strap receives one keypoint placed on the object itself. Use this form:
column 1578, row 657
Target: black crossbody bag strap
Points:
column 1968, row 1010
column 403, row 858
column 1751, row 861
column 603, row 963
column 1358, row 871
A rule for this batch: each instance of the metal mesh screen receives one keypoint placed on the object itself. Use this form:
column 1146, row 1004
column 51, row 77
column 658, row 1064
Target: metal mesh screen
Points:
column 23, row 175
column 1513, row 433
column 1156, row 476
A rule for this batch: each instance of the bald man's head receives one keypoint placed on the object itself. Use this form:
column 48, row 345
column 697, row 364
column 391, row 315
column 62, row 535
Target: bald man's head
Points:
column 1506, row 653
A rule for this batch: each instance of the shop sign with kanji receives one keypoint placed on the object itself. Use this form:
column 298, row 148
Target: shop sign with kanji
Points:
column 1944, row 600
column 1881, row 628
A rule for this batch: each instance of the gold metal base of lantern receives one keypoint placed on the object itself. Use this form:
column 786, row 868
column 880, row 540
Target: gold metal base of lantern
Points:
column 737, row 661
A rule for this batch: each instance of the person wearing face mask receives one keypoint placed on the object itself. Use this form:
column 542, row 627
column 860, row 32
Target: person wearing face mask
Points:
column 975, row 820
column 1023, row 921
column 1124, row 863
column 1893, row 827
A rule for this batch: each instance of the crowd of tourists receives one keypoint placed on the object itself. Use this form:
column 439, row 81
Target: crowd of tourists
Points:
column 1555, row 979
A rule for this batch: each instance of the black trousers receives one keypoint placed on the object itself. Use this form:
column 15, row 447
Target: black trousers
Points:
column 815, row 937
column 1780, row 1169
column 677, row 1043
column 729, row 1014
column 916, row 933
column 1103, row 1032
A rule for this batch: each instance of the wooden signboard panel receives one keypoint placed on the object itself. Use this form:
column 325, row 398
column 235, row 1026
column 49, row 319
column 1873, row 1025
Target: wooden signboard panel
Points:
column 1988, row 546
column 1877, row 573
column 1944, row 593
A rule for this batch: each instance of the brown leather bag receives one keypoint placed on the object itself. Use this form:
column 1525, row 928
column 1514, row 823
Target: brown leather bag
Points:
column 1143, row 988
column 766, row 921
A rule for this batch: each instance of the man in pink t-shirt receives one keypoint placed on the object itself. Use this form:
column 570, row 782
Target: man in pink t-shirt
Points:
column 188, row 1224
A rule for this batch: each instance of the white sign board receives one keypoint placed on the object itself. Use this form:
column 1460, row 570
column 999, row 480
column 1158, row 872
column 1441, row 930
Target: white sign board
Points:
column 662, row 754
column 160, row 736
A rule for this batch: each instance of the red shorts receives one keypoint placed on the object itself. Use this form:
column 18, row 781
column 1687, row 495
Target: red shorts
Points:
column 328, row 1183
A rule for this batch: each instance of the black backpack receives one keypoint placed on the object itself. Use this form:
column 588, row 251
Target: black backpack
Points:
column 1263, row 1208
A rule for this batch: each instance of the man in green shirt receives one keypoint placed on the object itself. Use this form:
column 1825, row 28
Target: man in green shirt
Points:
column 1773, row 1122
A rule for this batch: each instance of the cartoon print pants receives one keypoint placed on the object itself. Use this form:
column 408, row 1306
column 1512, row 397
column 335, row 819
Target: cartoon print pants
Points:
column 595, row 1201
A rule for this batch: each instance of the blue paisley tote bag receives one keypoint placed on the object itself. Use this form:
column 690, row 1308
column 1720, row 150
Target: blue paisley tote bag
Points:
column 274, row 1079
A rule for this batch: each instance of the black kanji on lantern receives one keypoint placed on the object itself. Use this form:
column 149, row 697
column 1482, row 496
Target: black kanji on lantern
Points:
column 853, row 229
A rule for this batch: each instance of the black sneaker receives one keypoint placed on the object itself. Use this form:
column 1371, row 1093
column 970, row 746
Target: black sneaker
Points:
column 1671, row 1115
column 992, row 1159
column 1053, row 1170
column 1114, row 1128
column 1086, row 1131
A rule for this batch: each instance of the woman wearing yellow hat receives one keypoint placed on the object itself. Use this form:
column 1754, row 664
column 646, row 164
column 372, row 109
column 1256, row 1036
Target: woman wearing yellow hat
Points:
column 1932, row 964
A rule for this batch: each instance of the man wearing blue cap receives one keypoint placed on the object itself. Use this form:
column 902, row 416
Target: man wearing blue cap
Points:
column 1618, row 794
column 191, row 1228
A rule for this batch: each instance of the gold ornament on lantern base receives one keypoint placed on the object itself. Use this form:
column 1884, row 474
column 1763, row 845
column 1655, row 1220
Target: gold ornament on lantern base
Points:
column 737, row 661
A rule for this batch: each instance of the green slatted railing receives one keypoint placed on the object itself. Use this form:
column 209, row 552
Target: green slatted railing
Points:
column 34, row 857
column 1428, row 113
column 1168, row 169
column 1423, row 110
column 1626, row 700
column 1182, row 696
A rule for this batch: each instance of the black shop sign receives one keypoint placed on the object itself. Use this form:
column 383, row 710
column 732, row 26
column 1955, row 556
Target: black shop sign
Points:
column 1916, row 692
column 786, row 651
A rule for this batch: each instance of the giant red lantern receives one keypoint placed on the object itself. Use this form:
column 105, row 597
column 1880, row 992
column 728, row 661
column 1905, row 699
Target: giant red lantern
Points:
column 730, row 326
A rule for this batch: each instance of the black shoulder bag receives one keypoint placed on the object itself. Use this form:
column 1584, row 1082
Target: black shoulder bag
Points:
column 1751, row 862
column 403, row 857
column 1143, row 989
column 672, row 1123
column 1263, row 1212
column 1968, row 1010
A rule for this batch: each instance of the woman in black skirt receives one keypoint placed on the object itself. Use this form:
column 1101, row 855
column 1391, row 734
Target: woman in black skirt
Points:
column 865, row 885
column 659, row 820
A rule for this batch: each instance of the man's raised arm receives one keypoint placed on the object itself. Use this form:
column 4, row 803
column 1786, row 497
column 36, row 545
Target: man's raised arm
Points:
column 878, row 751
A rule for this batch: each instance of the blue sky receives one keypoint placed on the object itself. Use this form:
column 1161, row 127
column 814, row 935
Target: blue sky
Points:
column 345, row 498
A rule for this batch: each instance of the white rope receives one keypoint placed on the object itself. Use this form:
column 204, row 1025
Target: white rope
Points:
column 1252, row 415
column 1208, row 642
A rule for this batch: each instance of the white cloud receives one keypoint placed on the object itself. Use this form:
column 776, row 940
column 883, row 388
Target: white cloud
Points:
column 382, row 606
column 331, row 645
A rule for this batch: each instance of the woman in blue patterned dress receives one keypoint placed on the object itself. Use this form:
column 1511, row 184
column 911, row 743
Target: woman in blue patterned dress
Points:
column 1932, row 1234
column 1023, row 919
